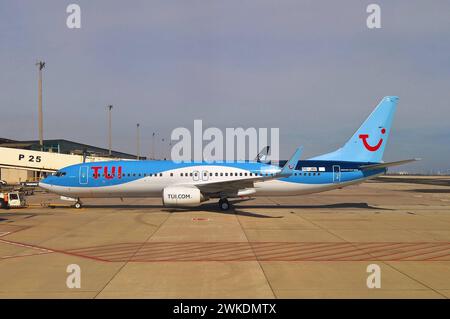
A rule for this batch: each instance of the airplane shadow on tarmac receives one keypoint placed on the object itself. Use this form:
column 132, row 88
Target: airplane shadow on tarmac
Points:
column 242, row 210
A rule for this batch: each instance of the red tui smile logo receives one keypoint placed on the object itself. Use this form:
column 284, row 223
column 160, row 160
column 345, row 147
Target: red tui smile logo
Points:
column 369, row 147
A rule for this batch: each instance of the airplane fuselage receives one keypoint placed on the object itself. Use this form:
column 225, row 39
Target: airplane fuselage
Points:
column 149, row 178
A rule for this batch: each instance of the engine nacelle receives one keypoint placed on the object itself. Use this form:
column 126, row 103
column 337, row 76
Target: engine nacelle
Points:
column 182, row 196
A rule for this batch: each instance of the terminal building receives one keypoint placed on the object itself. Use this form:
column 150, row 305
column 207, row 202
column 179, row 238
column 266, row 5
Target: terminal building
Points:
column 15, row 175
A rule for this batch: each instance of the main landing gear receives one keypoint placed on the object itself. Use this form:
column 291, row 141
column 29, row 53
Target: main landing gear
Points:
column 224, row 204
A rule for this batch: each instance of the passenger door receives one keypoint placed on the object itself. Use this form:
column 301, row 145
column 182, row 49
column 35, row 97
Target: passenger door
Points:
column 84, row 171
column 336, row 174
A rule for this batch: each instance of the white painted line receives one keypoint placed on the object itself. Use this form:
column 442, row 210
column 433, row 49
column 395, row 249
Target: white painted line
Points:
column 26, row 255
column 26, row 246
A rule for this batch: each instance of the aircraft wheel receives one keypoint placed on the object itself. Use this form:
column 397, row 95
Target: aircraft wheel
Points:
column 78, row 205
column 224, row 204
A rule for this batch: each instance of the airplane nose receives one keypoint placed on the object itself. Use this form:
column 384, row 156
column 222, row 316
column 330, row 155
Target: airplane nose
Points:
column 44, row 185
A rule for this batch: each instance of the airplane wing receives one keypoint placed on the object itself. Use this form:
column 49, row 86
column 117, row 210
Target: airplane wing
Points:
column 228, row 187
column 388, row 164
column 233, row 187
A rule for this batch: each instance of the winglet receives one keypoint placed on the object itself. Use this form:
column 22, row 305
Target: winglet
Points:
column 290, row 165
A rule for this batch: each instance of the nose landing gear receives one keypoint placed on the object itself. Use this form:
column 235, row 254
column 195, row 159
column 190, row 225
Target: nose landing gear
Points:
column 78, row 205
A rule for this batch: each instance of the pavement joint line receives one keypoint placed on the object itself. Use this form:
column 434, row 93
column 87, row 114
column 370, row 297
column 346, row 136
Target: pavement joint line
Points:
column 321, row 227
column 259, row 263
column 126, row 263
column 414, row 279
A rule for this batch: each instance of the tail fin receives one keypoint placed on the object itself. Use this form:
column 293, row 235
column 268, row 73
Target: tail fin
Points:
column 369, row 141
column 291, row 164
column 262, row 155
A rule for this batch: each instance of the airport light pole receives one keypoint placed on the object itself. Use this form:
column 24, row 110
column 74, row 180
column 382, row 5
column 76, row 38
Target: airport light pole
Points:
column 109, row 129
column 40, row 65
column 153, row 146
column 138, row 142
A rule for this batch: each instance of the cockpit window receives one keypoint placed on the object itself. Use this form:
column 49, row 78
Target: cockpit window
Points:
column 59, row 173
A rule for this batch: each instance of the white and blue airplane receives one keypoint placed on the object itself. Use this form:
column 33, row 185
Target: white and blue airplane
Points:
column 190, row 184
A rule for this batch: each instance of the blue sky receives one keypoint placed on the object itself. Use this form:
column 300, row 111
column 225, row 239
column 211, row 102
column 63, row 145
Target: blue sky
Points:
column 311, row 68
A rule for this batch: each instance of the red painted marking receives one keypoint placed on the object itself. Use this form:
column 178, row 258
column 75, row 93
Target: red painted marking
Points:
column 361, row 253
column 106, row 171
column 246, row 251
column 369, row 147
column 96, row 169
column 107, row 175
column 184, row 251
column 309, row 251
column 393, row 253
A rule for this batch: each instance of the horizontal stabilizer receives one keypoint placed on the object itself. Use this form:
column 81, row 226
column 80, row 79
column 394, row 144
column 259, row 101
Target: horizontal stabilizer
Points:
column 388, row 164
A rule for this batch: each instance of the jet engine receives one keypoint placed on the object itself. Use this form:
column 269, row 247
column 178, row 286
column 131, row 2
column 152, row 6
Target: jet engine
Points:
column 182, row 196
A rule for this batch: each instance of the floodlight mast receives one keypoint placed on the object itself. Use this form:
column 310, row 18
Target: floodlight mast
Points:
column 40, row 65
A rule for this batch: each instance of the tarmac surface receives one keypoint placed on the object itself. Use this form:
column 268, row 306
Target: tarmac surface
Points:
column 314, row 246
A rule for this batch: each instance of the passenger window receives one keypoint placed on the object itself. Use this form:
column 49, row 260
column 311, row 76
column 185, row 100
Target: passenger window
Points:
column 221, row 174
column 160, row 174
column 171, row 174
column 245, row 174
column 240, row 174
column 226, row 174
column 210, row 174
column 181, row 174
column 217, row 174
